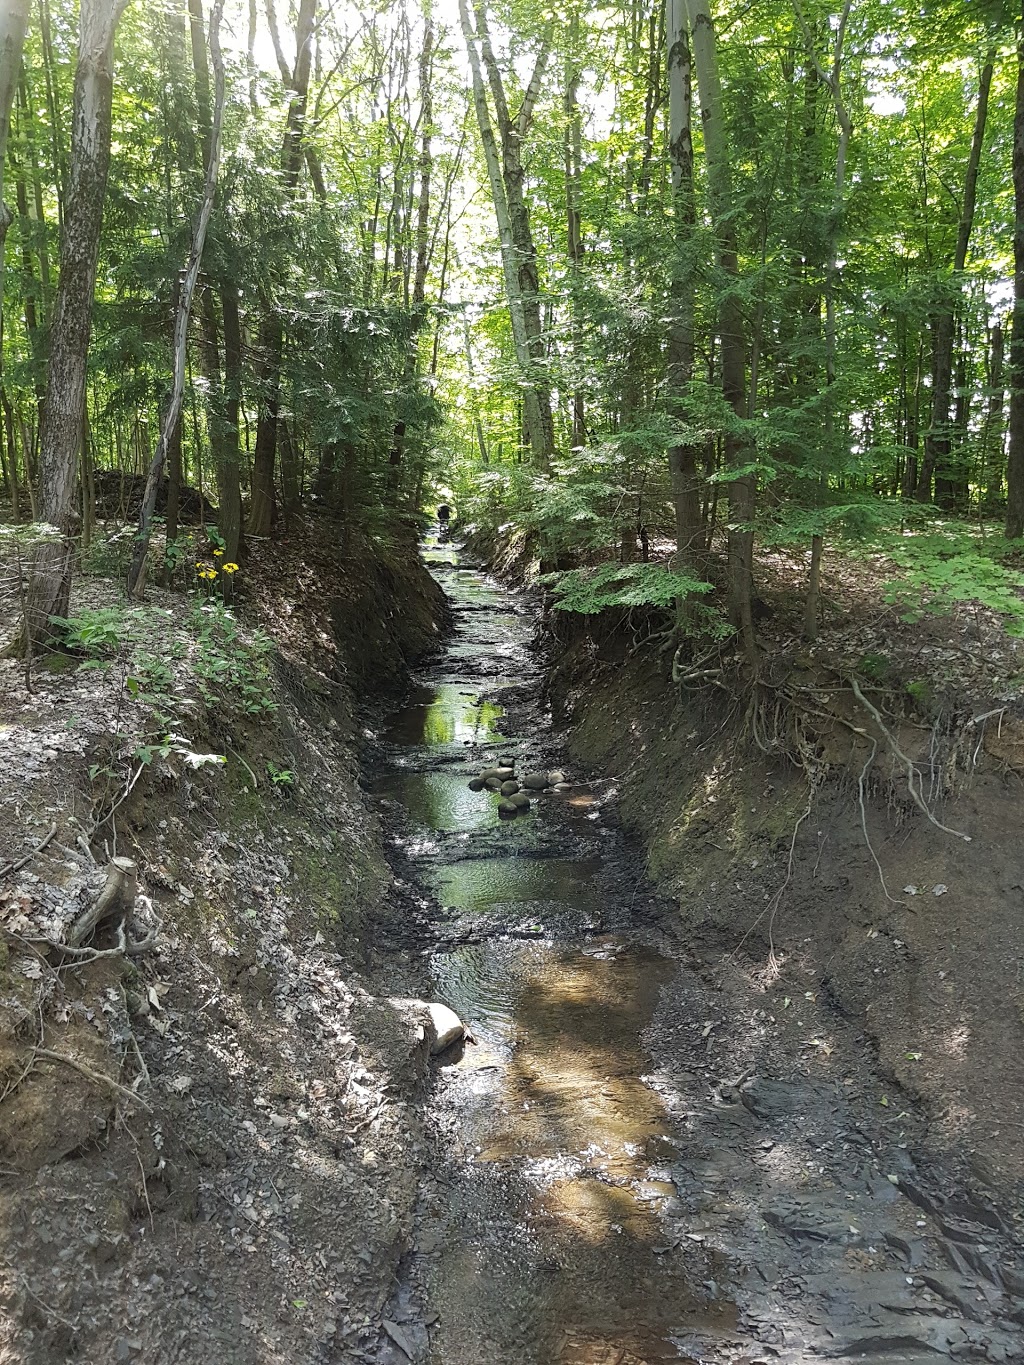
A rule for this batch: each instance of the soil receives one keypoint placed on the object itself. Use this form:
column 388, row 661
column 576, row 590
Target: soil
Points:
column 207, row 1151
column 728, row 1100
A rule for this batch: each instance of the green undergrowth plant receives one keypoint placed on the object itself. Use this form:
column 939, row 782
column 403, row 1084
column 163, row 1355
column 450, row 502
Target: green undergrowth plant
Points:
column 590, row 590
column 232, row 667
column 949, row 565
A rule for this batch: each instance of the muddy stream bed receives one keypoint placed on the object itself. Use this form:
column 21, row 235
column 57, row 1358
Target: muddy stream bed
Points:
column 631, row 1164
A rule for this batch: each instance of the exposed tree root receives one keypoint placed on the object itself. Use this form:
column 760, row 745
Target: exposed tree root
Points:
column 93, row 1075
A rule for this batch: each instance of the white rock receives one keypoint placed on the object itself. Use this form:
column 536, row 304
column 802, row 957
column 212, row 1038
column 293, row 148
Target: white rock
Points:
column 448, row 1027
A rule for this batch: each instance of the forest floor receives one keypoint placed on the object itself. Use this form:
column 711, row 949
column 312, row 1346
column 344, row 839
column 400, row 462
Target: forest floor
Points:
column 207, row 1149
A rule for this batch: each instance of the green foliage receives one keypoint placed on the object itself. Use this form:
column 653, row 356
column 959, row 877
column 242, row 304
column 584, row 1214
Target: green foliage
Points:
column 98, row 633
column 952, row 565
column 621, row 585
column 233, row 670
column 281, row 778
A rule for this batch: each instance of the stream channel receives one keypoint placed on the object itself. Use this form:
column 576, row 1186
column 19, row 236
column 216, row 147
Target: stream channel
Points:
column 644, row 1156
column 542, row 1240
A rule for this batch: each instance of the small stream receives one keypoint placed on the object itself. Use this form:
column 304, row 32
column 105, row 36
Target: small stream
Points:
column 540, row 1234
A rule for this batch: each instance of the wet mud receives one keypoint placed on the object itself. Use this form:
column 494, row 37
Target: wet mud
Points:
column 634, row 1160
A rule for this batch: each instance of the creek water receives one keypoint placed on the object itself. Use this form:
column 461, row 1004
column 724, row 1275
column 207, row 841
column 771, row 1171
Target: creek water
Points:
column 540, row 1235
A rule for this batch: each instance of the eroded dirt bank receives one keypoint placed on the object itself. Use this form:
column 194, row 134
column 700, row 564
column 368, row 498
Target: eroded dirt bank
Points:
column 207, row 1150
column 871, row 1037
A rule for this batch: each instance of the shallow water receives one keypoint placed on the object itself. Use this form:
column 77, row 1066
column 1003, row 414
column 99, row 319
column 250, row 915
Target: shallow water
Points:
column 539, row 1239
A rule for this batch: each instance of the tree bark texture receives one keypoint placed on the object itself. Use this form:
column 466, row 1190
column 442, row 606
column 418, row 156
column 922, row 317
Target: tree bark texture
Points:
column 1015, row 460
column 682, row 459
column 50, row 571
column 270, row 342
column 731, row 327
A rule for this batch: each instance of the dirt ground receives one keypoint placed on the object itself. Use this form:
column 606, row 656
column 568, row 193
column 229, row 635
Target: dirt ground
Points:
column 207, row 1148
column 830, row 886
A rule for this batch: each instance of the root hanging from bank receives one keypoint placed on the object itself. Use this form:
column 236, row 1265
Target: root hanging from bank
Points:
column 791, row 721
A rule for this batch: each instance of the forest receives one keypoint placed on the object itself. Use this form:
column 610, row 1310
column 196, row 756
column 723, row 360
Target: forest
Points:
column 668, row 289
column 511, row 682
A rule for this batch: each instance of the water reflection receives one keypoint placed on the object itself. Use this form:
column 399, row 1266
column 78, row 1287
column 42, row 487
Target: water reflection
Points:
column 546, row 1224
column 441, row 801
column 442, row 714
column 481, row 884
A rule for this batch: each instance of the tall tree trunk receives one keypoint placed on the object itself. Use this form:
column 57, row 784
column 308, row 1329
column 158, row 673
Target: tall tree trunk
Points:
column 835, row 440
column 13, row 23
column 682, row 459
column 270, row 343
column 992, row 431
column 1015, row 460
column 731, row 327
column 422, row 239
column 573, row 159
column 49, row 583
column 518, row 253
column 937, row 441
column 172, row 417
column 224, row 388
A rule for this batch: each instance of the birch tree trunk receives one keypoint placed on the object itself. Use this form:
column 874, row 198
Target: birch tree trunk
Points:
column 49, row 584
column 172, row 417
column 731, row 327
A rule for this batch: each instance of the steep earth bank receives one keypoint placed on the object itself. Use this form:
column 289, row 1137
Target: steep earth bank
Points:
column 819, row 878
column 207, row 1147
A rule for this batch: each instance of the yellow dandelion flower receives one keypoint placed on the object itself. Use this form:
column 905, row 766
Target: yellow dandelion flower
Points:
column 230, row 568
column 218, row 552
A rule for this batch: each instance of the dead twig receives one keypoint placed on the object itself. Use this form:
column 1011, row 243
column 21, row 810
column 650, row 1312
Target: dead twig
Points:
column 17, row 866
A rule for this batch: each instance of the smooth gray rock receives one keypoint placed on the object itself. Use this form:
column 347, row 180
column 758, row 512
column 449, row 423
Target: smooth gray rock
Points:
column 509, row 788
column 536, row 781
column 507, row 808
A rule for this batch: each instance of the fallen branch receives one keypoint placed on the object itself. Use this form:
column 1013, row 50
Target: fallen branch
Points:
column 17, row 866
